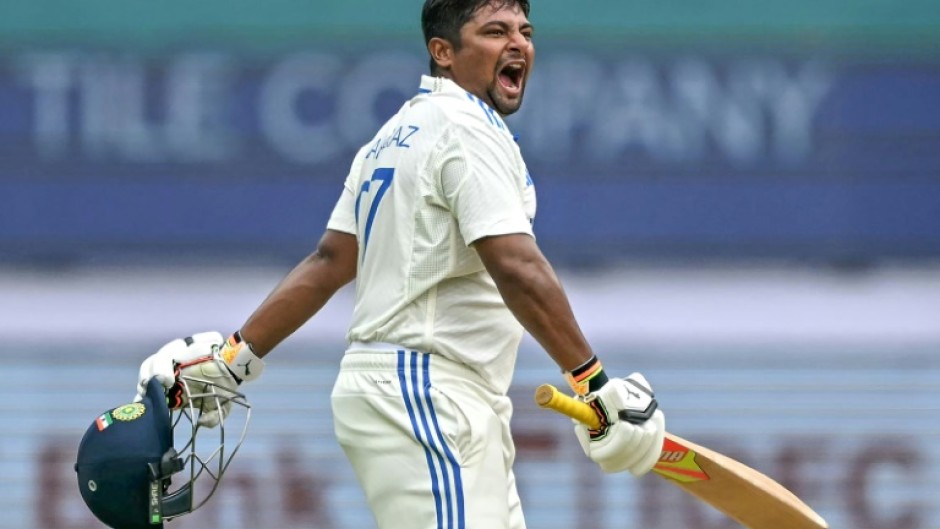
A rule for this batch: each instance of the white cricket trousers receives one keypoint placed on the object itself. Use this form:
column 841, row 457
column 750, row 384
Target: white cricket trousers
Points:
column 429, row 443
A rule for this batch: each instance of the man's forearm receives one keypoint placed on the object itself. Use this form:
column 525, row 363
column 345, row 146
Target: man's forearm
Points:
column 540, row 304
column 535, row 296
column 302, row 293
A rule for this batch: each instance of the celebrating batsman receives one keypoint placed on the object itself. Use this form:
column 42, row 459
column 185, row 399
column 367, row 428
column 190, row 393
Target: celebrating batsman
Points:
column 434, row 223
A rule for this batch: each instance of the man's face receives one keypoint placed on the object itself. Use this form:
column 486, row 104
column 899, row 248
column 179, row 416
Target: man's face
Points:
column 495, row 57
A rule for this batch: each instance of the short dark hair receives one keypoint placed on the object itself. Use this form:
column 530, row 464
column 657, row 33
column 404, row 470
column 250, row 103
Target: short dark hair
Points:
column 444, row 18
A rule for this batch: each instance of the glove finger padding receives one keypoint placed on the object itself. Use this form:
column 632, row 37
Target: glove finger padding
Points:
column 159, row 365
column 656, row 434
column 192, row 371
column 635, row 428
column 163, row 363
column 206, row 386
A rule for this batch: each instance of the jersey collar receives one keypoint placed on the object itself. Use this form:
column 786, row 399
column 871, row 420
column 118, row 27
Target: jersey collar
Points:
column 443, row 85
column 431, row 85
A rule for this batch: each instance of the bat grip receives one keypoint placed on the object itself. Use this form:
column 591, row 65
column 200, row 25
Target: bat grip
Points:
column 547, row 396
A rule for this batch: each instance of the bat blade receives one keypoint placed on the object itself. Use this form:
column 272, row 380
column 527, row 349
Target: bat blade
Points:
column 742, row 493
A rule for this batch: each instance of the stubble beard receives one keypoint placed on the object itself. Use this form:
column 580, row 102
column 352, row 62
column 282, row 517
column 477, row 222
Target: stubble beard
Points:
column 502, row 105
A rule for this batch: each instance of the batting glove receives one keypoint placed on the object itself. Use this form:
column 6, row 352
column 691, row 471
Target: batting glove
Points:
column 632, row 426
column 192, row 369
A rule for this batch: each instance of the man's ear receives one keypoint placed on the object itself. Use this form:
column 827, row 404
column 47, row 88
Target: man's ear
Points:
column 442, row 52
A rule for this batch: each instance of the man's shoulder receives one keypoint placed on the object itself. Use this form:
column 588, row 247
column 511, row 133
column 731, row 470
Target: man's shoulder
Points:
column 463, row 113
column 452, row 104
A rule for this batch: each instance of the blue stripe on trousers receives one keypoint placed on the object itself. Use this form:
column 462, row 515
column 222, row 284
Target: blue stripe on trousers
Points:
column 435, row 487
column 458, row 483
column 423, row 407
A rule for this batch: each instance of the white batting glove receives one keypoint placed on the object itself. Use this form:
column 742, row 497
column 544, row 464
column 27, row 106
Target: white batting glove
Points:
column 205, row 360
column 631, row 437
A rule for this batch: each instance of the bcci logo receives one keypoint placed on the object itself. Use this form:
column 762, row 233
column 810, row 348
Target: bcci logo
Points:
column 128, row 412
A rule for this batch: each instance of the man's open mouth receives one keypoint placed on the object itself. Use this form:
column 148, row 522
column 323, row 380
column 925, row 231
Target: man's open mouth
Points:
column 511, row 75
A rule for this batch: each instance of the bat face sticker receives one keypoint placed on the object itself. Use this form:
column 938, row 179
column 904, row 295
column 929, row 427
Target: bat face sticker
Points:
column 678, row 462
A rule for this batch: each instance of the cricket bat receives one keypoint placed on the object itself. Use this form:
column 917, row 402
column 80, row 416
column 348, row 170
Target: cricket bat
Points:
column 740, row 492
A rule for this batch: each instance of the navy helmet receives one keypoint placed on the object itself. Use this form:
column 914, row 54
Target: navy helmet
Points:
column 127, row 457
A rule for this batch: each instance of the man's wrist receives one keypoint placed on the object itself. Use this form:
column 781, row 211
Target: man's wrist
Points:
column 240, row 359
column 587, row 378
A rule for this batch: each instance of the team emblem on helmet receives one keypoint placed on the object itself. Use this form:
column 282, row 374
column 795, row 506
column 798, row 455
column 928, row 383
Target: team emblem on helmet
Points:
column 128, row 412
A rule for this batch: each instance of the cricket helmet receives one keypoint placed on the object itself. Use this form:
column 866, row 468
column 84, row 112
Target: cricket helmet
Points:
column 127, row 458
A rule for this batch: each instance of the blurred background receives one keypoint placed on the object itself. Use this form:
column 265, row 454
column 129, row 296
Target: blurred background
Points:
column 742, row 200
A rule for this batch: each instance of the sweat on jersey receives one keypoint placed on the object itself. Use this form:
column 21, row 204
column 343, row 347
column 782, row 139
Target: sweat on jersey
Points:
column 440, row 174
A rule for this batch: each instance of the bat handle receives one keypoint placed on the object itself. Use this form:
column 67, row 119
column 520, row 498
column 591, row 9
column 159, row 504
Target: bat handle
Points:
column 548, row 396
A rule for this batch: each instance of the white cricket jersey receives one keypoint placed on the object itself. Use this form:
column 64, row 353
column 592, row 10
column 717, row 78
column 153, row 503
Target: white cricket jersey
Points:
column 440, row 174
